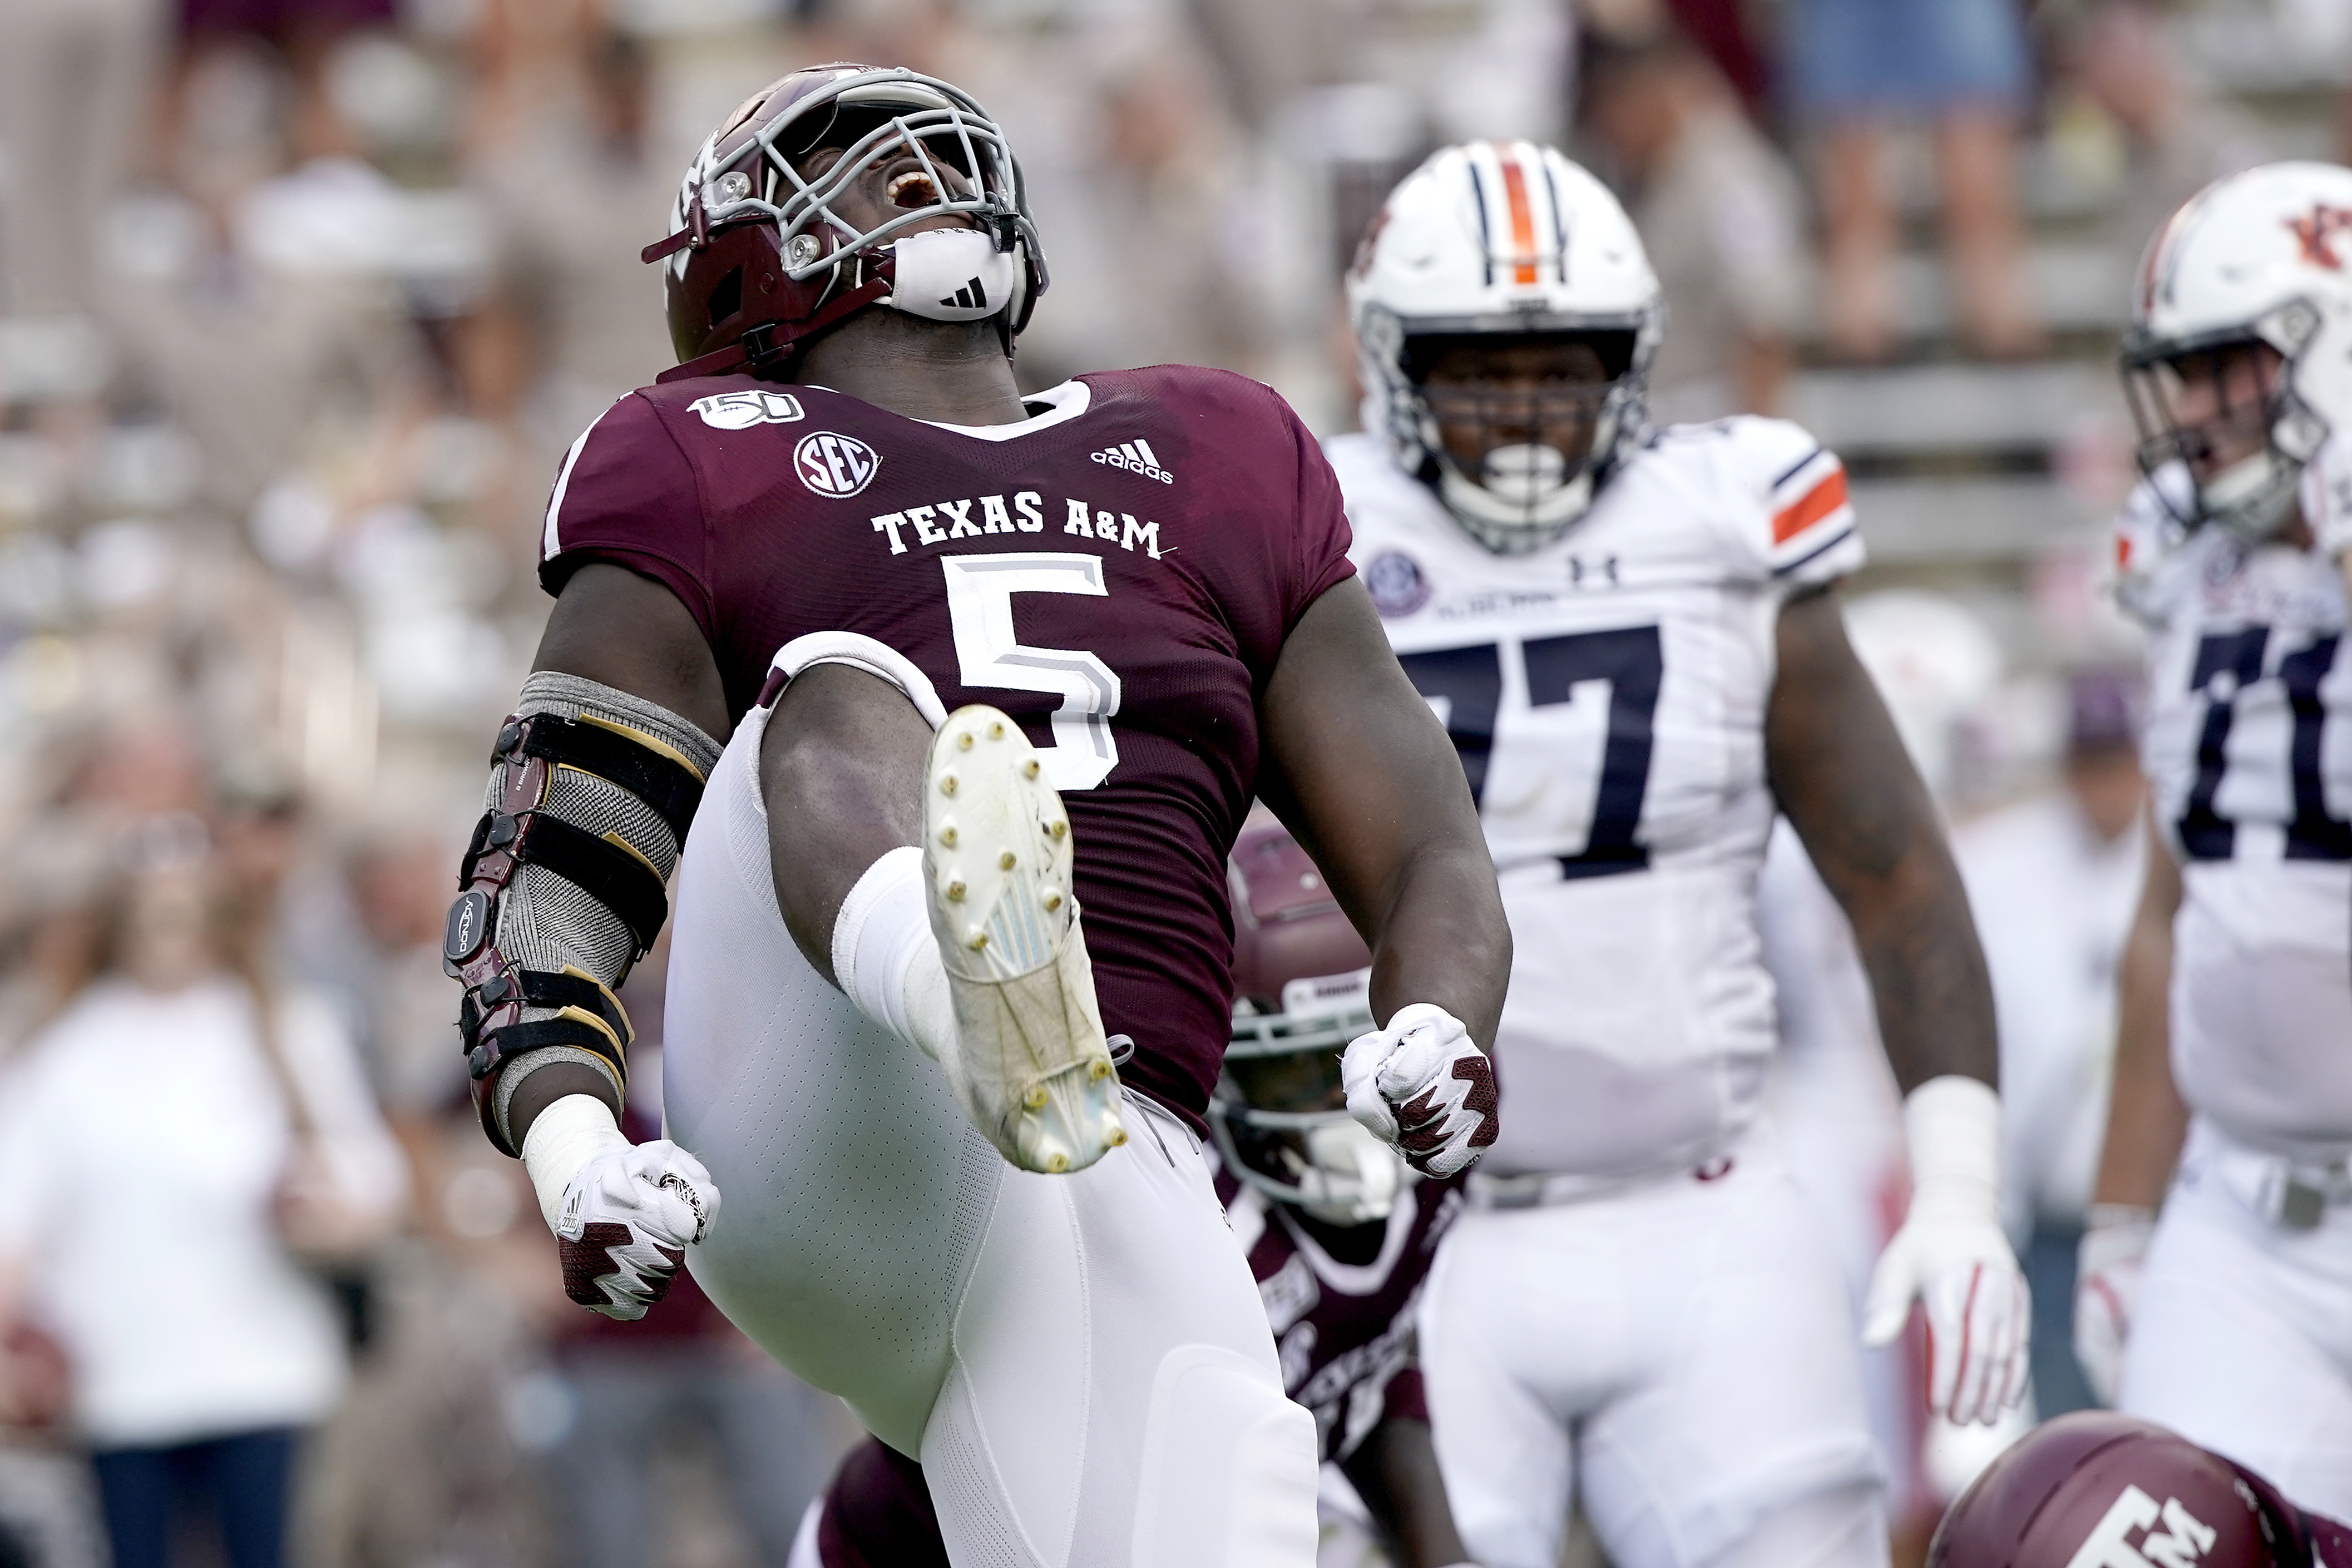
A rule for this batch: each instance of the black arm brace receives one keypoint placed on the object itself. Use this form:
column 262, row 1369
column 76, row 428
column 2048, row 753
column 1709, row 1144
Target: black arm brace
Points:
column 518, row 832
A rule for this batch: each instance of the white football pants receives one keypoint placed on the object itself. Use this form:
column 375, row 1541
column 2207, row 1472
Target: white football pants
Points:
column 2241, row 1338
column 1081, row 1362
column 1683, row 1352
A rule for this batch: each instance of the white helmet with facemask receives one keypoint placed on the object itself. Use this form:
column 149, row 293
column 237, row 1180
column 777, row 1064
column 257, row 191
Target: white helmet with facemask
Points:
column 1495, row 243
column 2261, row 258
column 1302, row 991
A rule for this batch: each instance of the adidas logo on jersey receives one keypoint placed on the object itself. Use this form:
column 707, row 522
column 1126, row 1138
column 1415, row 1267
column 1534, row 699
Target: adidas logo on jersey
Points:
column 1136, row 457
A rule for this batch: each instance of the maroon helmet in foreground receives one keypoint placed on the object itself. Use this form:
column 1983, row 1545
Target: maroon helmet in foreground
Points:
column 1302, row 990
column 2095, row 1489
column 759, row 259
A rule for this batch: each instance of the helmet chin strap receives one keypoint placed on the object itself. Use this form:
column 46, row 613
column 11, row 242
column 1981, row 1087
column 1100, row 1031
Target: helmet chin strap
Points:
column 953, row 275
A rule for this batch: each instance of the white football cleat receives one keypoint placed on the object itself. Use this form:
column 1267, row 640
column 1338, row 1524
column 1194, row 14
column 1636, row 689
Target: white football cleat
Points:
column 1030, row 1067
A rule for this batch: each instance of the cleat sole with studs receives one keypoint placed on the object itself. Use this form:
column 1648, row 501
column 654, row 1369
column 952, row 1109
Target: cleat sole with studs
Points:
column 1030, row 1069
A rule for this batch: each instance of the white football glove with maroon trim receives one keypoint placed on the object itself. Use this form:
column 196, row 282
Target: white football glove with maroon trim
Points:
column 1424, row 1086
column 628, row 1218
column 622, row 1214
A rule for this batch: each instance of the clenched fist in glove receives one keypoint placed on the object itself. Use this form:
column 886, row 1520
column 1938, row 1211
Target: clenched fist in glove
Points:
column 622, row 1214
column 2106, row 1290
column 1423, row 1085
column 1953, row 1256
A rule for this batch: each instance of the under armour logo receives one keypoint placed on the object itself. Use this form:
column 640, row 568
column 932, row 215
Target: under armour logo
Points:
column 970, row 297
column 2317, row 230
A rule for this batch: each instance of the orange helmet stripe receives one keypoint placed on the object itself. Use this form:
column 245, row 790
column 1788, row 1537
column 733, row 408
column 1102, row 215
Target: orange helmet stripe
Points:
column 1523, row 217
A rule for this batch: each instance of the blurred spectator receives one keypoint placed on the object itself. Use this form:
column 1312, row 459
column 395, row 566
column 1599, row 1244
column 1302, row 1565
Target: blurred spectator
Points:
column 1724, row 29
column 574, row 192
column 73, row 75
column 2179, row 137
column 1137, row 199
column 245, row 319
column 51, row 935
column 2053, row 880
column 181, row 1149
column 304, row 34
column 1721, row 216
column 683, row 1370
column 1856, row 66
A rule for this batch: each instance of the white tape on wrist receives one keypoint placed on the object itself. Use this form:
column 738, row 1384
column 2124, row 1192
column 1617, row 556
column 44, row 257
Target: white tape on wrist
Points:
column 884, row 957
column 561, row 1139
column 1953, row 1125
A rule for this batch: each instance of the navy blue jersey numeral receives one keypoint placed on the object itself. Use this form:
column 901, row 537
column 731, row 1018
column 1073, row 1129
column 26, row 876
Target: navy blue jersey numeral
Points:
column 1630, row 660
column 2314, row 835
column 1469, row 681
column 2227, row 664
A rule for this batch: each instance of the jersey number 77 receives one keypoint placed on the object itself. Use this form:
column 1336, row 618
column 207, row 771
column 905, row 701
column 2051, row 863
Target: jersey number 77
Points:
column 1465, row 687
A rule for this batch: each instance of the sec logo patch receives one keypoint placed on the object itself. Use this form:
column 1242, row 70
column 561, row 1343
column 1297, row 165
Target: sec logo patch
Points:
column 833, row 465
column 1396, row 583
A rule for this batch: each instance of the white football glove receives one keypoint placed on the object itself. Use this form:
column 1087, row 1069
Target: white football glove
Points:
column 622, row 1214
column 1424, row 1086
column 2106, row 1291
column 1952, row 1255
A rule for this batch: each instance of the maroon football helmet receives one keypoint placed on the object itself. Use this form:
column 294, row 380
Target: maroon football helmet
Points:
column 2095, row 1489
column 1301, row 992
column 760, row 260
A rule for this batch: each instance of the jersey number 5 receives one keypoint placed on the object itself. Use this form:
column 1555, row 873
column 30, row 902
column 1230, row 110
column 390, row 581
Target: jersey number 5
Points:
column 1465, row 686
column 980, row 611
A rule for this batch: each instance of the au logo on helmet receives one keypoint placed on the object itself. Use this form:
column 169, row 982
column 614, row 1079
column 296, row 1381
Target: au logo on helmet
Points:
column 834, row 465
column 2317, row 230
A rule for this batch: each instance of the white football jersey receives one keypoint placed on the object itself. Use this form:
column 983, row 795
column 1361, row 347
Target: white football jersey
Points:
column 1606, row 695
column 2248, row 756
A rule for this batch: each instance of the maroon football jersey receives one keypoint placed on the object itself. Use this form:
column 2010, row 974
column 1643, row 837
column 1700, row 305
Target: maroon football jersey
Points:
column 1344, row 1331
column 1117, row 572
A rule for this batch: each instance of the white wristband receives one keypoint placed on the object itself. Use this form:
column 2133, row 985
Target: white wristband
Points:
column 884, row 957
column 1953, row 1125
column 561, row 1140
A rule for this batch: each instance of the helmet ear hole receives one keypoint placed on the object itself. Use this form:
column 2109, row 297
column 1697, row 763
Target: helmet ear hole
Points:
column 727, row 298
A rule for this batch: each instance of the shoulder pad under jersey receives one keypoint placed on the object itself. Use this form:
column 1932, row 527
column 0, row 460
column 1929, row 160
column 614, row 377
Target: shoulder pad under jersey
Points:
column 1775, row 496
column 2148, row 538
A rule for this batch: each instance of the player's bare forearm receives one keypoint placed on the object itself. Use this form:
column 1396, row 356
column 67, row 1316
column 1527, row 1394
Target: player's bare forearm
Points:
column 612, row 626
column 1394, row 1470
column 1359, row 768
column 1841, row 774
column 2146, row 1120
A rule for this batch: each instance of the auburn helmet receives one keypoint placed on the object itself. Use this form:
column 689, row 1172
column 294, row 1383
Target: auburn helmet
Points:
column 1497, row 243
column 2097, row 1489
column 1302, row 990
column 759, row 259
column 2263, row 256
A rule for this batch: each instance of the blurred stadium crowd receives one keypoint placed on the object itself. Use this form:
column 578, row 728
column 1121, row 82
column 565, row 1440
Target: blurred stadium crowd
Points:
column 301, row 303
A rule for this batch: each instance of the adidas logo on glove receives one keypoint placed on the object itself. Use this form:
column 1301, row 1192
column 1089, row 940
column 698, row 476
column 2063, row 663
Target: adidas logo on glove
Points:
column 1136, row 457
